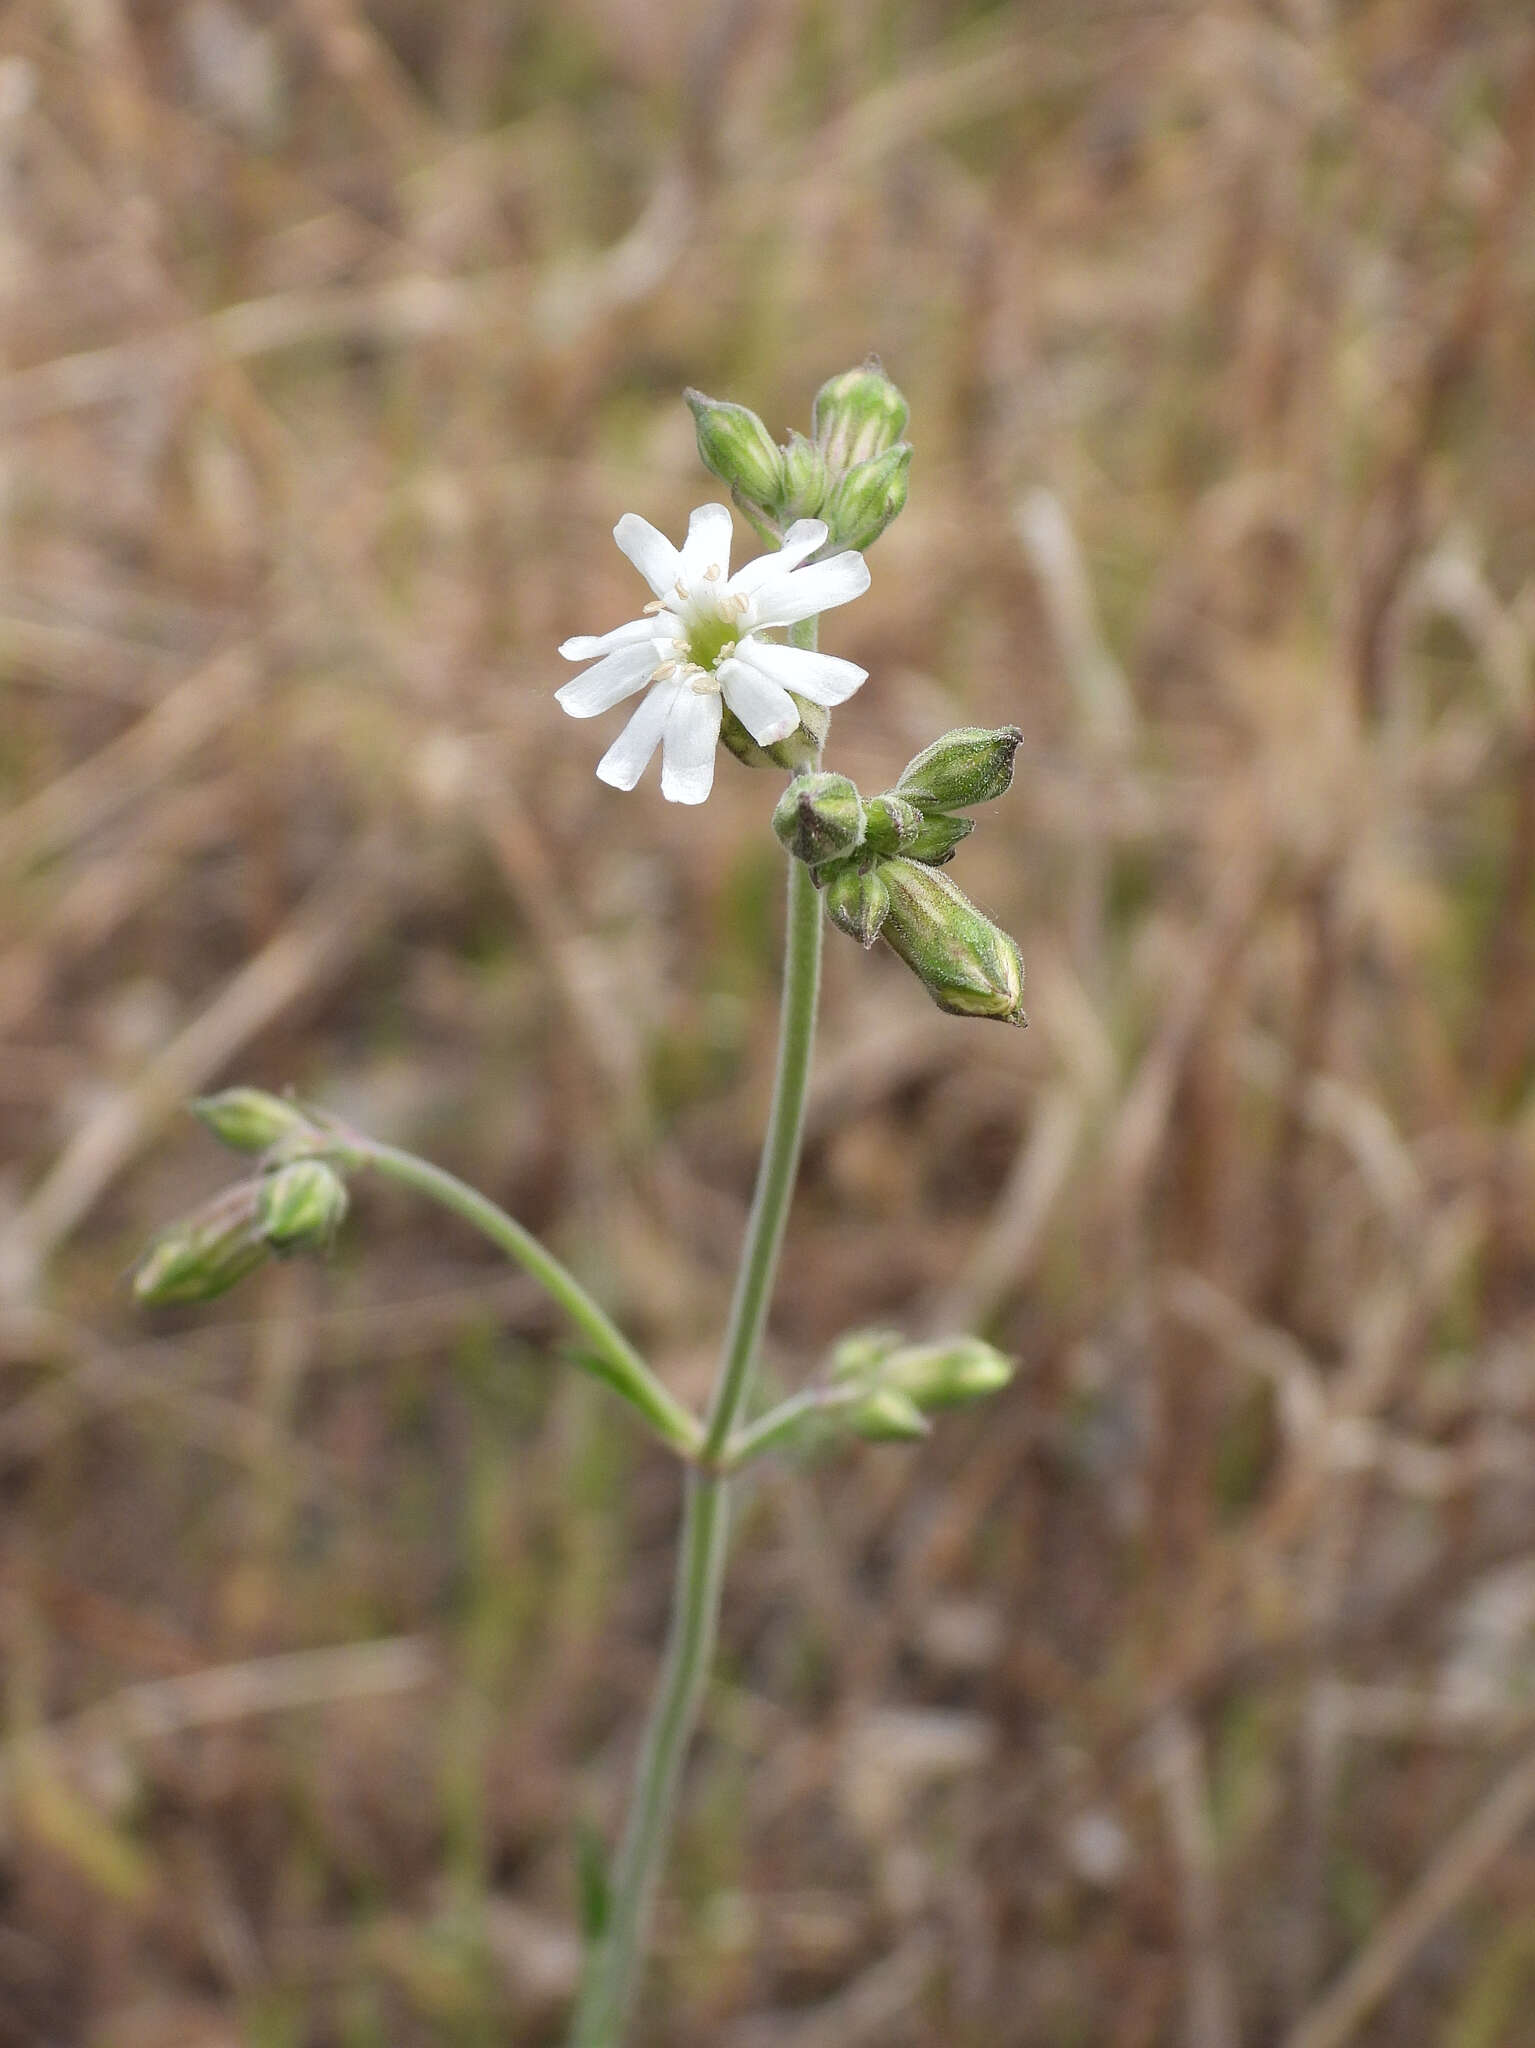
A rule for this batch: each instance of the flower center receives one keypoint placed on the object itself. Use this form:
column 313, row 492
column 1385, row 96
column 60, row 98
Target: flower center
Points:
column 709, row 623
column 708, row 637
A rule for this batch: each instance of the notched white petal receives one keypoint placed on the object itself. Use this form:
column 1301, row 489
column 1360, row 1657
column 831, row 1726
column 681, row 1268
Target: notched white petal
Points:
column 688, row 750
column 820, row 587
column 629, row 756
column 824, row 678
column 615, row 677
column 763, row 706
column 707, row 545
column 587, row 646
column 650, row 552
column 802, row 539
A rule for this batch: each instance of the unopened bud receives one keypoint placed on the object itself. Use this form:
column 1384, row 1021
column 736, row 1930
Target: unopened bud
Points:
column 888, row 1416
column 857, row 416
column 862, row 503
column 970, row 765
column 948, row 1374
column 858, row 904
column 301, row 1205
column 935, row 841
column 250, row 1120
column 891, row 823
column 968, row 966
column 801, row 750
column 804, row 479
column 819, row 818
column 861, row 1353
column 205, row 1253
column 734, row 443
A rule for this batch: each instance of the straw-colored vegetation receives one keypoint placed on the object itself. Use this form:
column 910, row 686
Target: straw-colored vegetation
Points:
column 1184, row 1695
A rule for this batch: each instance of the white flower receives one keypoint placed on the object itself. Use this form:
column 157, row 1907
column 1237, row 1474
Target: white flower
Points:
column 698, row 647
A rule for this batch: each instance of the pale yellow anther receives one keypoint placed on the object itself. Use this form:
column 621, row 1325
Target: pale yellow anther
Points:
column 681, row 589
column 655, row 605
column 712, row 573
column 664, row 673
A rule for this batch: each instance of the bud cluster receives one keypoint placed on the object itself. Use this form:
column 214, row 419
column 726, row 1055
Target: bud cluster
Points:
column 295, row 1202
column 891, row 1387
column 877, row 861
column 851, row 472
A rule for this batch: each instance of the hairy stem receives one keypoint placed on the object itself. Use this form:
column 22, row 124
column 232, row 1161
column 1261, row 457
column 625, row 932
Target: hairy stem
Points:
column 608, row 1986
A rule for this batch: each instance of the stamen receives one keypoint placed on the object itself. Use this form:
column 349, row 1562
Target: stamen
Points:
column 681, row 589
column 655, row 605
column 664, row 673
column 725, row 652
column 738, row 602
column 712, row 573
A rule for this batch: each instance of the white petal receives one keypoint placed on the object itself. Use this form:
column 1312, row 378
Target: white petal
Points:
column 823, row 678
column 629, row 756
column 692, row 734
column 618, row 676
column 803, row 538
column 764, row 707
column 650, row 552
column 808, row 591
column 707, row 545
column 587, row 646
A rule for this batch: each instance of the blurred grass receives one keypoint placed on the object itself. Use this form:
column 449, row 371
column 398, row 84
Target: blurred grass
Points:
column 1185, row 1696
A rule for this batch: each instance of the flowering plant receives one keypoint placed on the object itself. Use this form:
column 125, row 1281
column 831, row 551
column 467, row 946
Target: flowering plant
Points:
column 702, row 654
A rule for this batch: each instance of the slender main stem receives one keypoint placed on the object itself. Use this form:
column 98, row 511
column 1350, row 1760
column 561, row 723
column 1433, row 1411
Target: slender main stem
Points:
column 608, row 1985
column 779, row 1164
column 612, row 1357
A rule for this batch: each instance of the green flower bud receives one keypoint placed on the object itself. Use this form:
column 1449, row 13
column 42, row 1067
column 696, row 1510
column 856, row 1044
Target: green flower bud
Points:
column 801, row 750
column 862, row 503
column 819, row 817
column 857, row 903
column 250, row 1120
column 968, row 766
column 804, row 479
column 734, row 443
column 890, row 823
column 205, row 1253
column 968, row 966
column 937, row 838
column 888, row 1416
column 861, row 1353
column 301, row 1205
column 949, row 1374
column 858, row 416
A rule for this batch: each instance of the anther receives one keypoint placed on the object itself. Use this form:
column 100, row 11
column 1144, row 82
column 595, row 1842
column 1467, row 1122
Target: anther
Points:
column 664, row 673
column 712, row 573
column 655, row 605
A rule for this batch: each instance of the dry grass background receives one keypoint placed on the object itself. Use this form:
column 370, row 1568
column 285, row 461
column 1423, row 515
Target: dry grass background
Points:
column 1185, row 1696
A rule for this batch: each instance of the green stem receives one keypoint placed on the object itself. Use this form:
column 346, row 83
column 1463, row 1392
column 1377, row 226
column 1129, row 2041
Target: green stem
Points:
column 780, row 1161
column 608, row 1985
column 785, row 1423
column 612, row 1358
